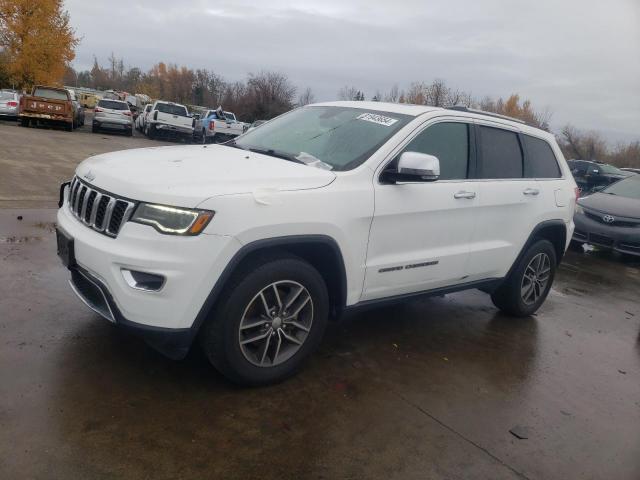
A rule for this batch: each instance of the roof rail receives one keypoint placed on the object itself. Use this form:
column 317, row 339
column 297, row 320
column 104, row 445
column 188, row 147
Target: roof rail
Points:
column 462, row 108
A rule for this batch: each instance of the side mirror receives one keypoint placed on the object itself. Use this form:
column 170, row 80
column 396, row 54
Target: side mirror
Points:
column 415, row 167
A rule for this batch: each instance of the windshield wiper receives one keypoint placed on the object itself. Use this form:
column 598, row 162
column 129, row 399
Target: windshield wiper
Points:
column 275, row 153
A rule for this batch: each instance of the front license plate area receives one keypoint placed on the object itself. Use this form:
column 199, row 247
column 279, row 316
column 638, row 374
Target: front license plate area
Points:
column 65, row 249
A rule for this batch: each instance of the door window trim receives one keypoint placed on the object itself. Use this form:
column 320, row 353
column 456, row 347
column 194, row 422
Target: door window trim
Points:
column 472, row 163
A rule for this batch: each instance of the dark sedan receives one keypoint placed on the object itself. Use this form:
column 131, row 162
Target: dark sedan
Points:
column 592, row 176
column 611, row 217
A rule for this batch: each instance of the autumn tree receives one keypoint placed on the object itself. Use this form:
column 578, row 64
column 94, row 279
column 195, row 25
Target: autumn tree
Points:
column 38, row 40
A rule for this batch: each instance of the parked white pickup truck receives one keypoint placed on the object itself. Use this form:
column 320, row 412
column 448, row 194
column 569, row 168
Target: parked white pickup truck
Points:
column 211, row 128
column 169, row 119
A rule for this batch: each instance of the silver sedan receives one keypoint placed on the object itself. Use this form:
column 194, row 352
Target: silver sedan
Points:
column 9, row 101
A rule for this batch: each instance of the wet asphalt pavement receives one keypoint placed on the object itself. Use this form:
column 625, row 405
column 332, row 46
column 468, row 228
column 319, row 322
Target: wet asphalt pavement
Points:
column 430, row 389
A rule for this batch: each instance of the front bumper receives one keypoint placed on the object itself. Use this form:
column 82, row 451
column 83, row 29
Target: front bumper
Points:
column 190, row 265
column 172, row 342
column 621, row 239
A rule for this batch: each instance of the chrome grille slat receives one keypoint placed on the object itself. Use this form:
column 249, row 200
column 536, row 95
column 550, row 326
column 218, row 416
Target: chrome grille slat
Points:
column 87, row 205
column 94, row 210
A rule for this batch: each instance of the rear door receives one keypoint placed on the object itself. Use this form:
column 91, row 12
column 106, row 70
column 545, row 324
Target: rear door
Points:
column 510, row 204
column 421, row 231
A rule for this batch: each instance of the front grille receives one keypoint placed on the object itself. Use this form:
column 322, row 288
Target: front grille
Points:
column 632, row 246
column 616, row 222
column 601, row 240
column 101, row 211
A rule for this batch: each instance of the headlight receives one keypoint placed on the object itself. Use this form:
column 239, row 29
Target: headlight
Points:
column 172, row 220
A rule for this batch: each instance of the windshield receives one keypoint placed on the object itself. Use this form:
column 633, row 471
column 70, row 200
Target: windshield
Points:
column 113, row 105
column 341, row 137
column 171, row 109
column 51, row 93
column 610, row 169
column 629, row 187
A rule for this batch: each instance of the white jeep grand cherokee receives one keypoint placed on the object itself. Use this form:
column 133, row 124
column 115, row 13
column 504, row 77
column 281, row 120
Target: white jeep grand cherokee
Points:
column 253, row 245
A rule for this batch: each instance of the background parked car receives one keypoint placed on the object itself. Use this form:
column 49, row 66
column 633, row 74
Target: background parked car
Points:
column 611, row 218
column 9, row 100
column 78, row 110
column 169, row 120
column 50, row 105
column 88, row 100
column 216, row 126
column 592, row 176
column 112, row 115
column 141, row 121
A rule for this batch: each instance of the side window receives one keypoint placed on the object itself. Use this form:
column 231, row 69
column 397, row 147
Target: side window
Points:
column 541, row 161
column 500, row 153
column 449, row 141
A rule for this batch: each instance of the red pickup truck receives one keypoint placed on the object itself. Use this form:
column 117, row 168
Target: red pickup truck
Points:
column 47, row 105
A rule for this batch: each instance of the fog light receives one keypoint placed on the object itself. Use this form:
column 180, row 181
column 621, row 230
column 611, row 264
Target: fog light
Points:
column 149, row 282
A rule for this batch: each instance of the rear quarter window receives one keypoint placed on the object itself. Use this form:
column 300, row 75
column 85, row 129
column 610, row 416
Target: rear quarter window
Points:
column 541, row 161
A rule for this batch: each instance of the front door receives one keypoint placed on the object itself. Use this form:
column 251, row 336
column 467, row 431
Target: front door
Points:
column 421, row 231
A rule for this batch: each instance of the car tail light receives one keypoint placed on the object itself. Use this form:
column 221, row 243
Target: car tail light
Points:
column 12, row 104
column 211, row 124
column 97, row 109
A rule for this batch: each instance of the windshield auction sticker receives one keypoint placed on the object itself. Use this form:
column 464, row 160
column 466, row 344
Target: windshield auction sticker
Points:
column 379, row 119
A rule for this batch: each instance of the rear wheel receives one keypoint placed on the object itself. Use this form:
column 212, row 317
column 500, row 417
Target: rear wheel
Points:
column 151, row 132
column 528, row 285
column 272, row 318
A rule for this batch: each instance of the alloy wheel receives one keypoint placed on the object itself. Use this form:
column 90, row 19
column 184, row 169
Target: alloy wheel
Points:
column 535, row 279
column 276, row 323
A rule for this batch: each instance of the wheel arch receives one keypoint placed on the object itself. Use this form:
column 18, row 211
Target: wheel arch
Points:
column 553, row 230
column 321, row 251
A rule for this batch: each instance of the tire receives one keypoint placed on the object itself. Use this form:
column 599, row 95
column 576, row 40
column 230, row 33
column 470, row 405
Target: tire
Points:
column 24, row 122
column 151, row 132
column 69, row 127
column 129, row 132
column 514, row 296
column 272, row 357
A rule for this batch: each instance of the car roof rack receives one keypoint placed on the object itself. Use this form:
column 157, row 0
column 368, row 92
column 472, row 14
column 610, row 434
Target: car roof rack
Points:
column 462, row 108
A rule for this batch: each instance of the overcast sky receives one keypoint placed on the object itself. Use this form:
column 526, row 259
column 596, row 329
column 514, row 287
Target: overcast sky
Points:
column 581, row 58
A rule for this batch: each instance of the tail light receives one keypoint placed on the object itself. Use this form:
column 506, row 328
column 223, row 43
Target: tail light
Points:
column 12, row 104
column 97, row 109
column 211, row 124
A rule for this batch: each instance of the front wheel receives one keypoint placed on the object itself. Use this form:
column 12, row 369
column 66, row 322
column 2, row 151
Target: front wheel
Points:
column 528, row 285
column 272, row 318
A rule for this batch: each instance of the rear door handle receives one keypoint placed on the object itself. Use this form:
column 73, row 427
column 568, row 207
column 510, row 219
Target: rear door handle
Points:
column 464, row 194
column 531, row 191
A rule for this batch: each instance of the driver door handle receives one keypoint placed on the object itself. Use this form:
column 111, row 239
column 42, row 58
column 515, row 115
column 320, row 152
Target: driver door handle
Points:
column 464, row 194
column 531, row 191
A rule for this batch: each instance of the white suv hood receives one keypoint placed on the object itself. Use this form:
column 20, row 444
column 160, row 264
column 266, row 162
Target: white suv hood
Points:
column 185, row 176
